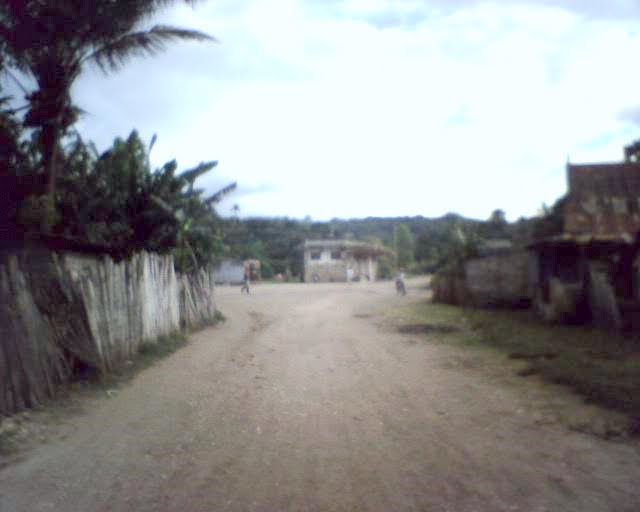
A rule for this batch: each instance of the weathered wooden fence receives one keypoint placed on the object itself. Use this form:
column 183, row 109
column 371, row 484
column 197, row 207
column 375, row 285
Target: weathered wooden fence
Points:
column 63, row 311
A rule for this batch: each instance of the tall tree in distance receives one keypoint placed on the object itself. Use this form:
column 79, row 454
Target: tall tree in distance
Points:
column 403, row 241
column 50, row 42
column 632, row 152
column 497, row 225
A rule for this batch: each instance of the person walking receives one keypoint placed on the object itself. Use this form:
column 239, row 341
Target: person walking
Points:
column 245, row 284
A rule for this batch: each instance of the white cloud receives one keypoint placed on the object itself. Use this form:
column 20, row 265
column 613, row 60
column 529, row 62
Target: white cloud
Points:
column 320, row 111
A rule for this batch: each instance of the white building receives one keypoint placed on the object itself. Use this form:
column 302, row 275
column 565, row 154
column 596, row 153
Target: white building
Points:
column 340, row 260
column 229, row 272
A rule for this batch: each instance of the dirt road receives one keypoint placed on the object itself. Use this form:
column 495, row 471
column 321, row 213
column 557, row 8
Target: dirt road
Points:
column 303, row 401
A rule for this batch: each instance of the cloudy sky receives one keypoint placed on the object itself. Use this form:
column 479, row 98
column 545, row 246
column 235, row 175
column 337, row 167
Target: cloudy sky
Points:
column 352, row 108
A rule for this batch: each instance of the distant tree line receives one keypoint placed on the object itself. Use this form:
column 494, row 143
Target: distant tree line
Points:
column 420, row 244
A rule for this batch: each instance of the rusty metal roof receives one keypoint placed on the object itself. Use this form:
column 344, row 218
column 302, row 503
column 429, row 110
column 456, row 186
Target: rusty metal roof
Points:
column 583, row 240
column 603, row 202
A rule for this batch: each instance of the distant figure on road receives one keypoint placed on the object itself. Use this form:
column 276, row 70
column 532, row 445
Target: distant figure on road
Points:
column 400, row 287
column 245, row 284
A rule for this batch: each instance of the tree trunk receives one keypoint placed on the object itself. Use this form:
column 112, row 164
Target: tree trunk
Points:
column 50, row 143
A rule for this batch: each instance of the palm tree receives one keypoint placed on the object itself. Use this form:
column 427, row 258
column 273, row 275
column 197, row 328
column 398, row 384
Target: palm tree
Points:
column 52, row 41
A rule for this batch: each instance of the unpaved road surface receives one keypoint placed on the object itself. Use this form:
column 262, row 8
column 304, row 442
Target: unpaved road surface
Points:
column 303, row 401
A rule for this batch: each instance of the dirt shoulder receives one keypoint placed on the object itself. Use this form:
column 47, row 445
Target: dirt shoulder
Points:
column 303, row 400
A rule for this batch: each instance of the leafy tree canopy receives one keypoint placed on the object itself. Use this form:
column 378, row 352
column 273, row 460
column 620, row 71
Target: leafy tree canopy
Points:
column 50, row 42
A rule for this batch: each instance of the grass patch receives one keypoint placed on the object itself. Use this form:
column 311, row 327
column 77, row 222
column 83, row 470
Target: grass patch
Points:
column 218, row 317
column 604, row 367
column 164, row 346
column 8, row 434
column 148, row 354
column 428, row 329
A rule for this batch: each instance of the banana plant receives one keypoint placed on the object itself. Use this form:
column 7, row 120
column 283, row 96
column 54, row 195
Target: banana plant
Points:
column 192, row 215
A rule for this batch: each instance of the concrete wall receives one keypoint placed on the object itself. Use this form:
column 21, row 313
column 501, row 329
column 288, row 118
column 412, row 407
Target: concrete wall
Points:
column 64, row 313
column 449, row 289
column 563, row 303
column 501, row 279
column 497, row 280
column 602, row 298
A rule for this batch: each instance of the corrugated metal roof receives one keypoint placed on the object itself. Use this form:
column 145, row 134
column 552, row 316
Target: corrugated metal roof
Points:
column 582, row 240
column 603, row 201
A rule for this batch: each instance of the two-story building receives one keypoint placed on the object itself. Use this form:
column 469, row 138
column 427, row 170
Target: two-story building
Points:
column 340, row 260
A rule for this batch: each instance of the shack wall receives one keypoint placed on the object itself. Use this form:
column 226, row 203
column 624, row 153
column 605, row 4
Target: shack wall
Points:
column 500, row 279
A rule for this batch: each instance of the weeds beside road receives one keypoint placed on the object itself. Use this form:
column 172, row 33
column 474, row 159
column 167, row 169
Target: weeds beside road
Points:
column 602, row 366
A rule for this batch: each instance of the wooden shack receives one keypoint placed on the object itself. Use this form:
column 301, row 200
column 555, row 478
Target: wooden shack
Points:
column 589, row 272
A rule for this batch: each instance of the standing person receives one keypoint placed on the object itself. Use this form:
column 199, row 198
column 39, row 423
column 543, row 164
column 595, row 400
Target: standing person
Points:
column 400, row 286
column 245, row 284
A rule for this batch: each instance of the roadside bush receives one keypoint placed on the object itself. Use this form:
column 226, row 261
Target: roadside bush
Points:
column 111, row 201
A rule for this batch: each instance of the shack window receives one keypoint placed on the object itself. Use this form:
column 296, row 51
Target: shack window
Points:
column 315, row 255
column 335, row 255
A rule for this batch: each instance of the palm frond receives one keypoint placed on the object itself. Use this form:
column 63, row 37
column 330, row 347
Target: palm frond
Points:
column 105, row 20
column 217, row 197
column 114, row 54
column 194, row 193
column 154, row 139
column 190, row 176
column 15, row 80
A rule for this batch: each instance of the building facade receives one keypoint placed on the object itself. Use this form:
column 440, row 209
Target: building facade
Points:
column 340, row 261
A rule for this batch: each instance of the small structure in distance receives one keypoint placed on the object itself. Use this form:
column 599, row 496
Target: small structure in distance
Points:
column 229, row 272
column 234, row 271
column 341, row 260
